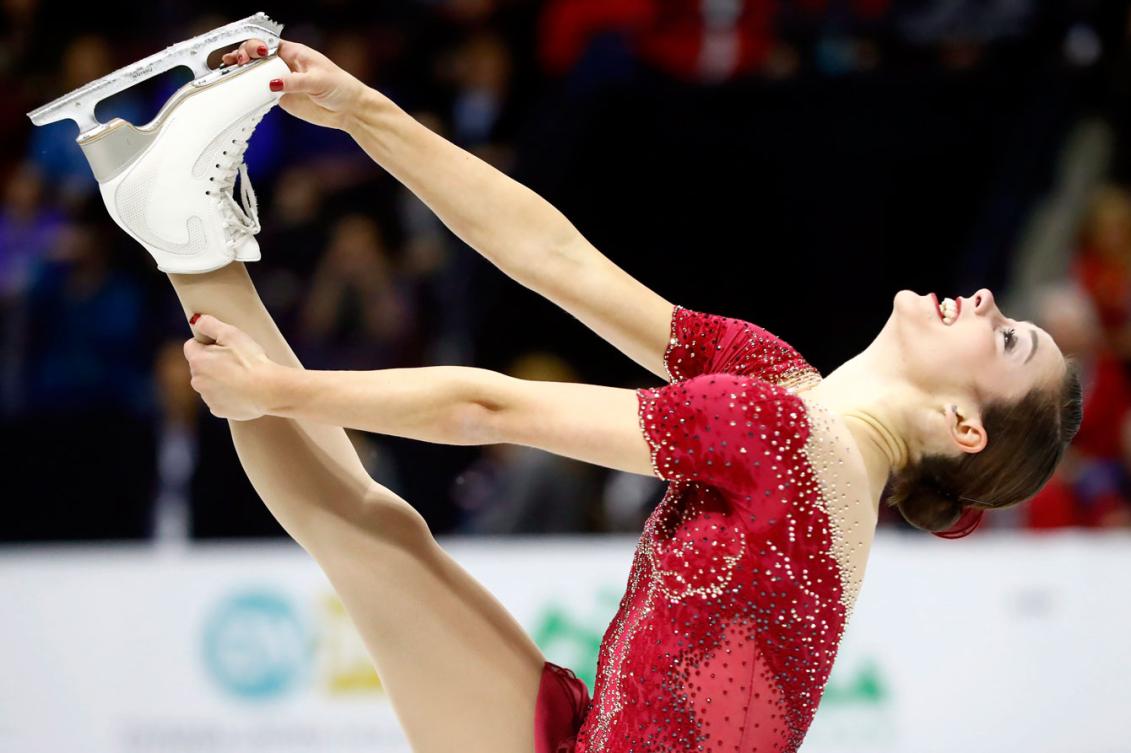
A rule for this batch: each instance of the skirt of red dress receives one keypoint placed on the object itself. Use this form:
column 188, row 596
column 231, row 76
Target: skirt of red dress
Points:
column 563, row 701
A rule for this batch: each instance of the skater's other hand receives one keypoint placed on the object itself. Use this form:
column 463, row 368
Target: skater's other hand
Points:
column 231, row 372
column 316, row 89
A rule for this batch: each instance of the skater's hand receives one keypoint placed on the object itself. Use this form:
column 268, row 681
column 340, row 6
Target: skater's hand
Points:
column 316, row 89
column 230, row 373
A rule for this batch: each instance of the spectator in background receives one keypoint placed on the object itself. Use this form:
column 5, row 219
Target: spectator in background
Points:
column 86, row 403
column 569, row 29
column 442, row 269
column 18, row 33
column 482, row 73
column 1092, row 486
column 704, row 42
column 841, row 34
column 85, row 343
column 359, row 312
column 517, row 489
column 1103, row 264
column 19, row 23
column 294, row 232
column 29, row 227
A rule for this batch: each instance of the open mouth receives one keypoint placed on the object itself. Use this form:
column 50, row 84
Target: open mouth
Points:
column 948, row 309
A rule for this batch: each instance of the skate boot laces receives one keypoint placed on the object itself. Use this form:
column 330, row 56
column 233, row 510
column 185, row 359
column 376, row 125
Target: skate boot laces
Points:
column 241, row 217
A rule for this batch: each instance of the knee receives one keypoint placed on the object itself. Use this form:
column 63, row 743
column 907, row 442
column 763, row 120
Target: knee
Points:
column 389, row 517
column 371, row 525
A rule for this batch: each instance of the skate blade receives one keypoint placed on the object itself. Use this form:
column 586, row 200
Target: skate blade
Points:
column 79, row 105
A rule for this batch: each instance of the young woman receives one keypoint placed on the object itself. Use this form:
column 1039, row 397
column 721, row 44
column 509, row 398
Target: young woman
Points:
column 748, row 569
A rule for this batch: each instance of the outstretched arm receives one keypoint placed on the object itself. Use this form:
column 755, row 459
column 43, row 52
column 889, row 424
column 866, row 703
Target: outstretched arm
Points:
column 510, row 225
column 455, row 405
column 516, row 230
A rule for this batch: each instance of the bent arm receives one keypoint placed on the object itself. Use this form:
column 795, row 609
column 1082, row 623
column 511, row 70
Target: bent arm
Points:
column 461, row 405
column 516, row 230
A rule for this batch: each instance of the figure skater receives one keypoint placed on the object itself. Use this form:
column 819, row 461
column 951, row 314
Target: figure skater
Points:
column 748, row 569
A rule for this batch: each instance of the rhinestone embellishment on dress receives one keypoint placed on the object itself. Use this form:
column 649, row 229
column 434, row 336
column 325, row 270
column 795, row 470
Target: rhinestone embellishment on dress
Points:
column 746, row 572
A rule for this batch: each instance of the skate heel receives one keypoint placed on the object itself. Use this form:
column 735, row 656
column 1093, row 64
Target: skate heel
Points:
column 115, row 148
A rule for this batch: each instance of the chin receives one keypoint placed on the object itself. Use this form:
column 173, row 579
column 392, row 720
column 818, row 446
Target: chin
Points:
column 913, row 319
column 907, row 301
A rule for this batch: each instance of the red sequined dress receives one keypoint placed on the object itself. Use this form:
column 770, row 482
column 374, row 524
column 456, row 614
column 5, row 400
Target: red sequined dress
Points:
column 734, row 609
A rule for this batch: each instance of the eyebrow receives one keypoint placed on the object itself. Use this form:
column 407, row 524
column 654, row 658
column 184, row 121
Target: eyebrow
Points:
column 1033, row 349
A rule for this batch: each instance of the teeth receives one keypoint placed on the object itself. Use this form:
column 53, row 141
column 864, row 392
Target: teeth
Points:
column 949, row 310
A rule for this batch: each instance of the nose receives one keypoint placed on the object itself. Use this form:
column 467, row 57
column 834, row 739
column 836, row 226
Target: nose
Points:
column 983, row 301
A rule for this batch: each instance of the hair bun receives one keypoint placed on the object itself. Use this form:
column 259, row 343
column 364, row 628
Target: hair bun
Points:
column 923, row 502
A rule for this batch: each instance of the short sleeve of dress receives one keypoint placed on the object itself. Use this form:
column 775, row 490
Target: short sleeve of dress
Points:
column 723, row 430
column 702, row 343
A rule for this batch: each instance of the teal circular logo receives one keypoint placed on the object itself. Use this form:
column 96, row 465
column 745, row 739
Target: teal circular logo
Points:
column 255, row 645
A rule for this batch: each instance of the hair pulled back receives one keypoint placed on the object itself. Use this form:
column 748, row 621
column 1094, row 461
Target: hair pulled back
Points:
column 1025, row 441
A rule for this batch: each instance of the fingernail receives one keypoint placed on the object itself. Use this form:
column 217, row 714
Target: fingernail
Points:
column 261, row 49
column 276, row 84
column 193, row 320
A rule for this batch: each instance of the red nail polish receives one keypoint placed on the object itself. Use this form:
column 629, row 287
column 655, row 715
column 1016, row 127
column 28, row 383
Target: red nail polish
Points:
column 276, row 84
column 193, row 320
column 261, row 50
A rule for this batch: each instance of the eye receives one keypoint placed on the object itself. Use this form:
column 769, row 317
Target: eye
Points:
column 1010, row 339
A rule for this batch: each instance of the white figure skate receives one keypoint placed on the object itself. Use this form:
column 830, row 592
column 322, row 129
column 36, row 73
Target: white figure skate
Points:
column 170, row 183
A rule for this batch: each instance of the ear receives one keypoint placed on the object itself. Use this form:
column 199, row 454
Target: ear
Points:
column 966, row 431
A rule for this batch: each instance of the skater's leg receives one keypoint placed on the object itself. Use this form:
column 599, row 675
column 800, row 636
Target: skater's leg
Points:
column 229, row 295
column 461, row 673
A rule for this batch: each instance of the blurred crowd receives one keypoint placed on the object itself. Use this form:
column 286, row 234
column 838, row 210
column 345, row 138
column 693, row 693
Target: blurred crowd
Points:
column 1089, row 316
column 103, row 436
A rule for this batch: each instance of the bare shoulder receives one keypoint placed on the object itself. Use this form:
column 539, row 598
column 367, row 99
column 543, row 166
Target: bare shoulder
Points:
column 844, row 488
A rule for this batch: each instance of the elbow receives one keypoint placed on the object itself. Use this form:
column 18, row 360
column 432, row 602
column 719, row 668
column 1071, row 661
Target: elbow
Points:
column 473, row 423
column 482, row 408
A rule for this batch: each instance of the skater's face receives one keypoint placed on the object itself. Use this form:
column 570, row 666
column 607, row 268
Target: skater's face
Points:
column 976, row 351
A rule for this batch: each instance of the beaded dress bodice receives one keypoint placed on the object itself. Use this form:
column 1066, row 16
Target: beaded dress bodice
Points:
column 747, row 570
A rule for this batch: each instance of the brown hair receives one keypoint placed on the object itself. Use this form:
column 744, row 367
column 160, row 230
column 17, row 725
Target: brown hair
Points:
column 1026, row 440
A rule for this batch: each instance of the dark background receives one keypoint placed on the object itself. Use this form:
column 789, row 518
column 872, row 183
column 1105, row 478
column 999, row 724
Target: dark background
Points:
column 848, row 150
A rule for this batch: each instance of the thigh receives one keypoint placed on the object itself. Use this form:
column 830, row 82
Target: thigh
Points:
column 460, row 671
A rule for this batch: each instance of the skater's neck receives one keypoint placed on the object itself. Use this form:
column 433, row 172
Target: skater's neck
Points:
column 874, row 410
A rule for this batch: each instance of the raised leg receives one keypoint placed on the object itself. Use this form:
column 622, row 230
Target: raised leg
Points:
column 461, row 673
